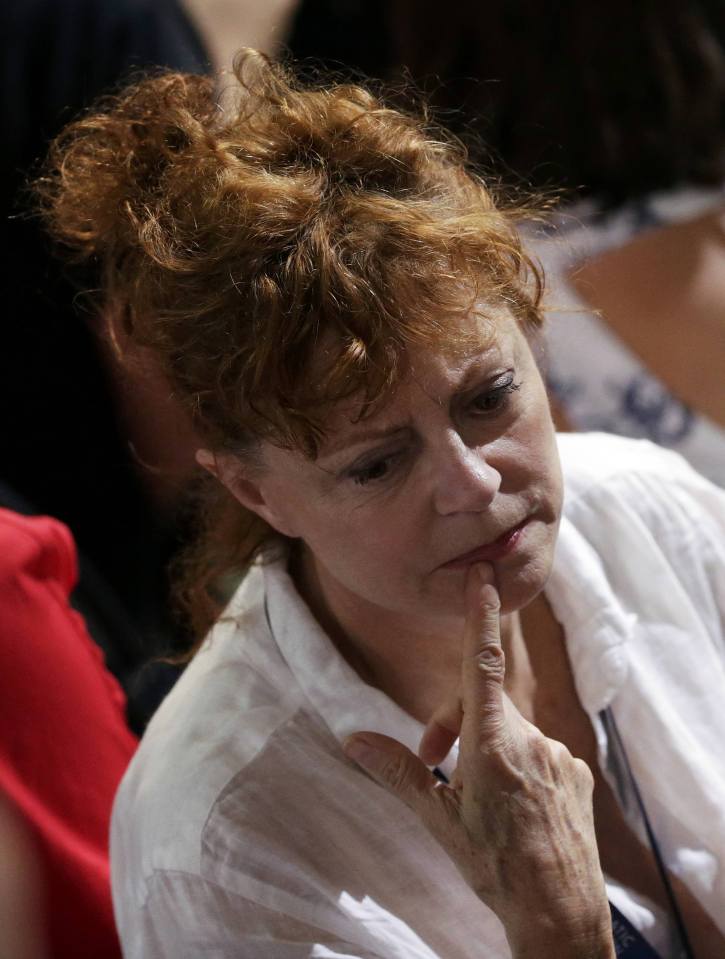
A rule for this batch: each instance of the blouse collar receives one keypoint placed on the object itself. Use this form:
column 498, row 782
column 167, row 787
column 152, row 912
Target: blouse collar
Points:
column 346, row 703
column 594, row 622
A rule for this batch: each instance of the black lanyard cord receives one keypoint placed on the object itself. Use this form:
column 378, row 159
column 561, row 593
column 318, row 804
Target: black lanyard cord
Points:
column 611, row 727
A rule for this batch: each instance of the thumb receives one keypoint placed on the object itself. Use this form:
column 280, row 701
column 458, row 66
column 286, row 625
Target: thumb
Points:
column 393, row 766
column 442, row 730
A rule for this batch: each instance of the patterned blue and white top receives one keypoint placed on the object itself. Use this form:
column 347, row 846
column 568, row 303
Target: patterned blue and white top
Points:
column 595, row 377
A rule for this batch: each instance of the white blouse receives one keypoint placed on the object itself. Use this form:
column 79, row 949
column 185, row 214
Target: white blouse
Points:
column 242, row 830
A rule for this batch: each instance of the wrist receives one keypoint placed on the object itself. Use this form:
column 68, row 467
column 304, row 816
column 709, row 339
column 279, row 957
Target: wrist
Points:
column 546, row 938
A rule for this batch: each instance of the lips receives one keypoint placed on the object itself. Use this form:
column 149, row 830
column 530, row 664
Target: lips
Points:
column 489, row 552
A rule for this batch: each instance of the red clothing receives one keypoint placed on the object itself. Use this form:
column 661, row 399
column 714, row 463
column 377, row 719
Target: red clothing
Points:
column 64, row 742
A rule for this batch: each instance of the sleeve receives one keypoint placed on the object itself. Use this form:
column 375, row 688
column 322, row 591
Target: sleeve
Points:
column 64, row 743
column 186, row 915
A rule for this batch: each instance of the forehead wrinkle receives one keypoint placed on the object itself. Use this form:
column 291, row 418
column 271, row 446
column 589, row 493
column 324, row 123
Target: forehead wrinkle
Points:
column 357, row 438
column 455, row 379
column 488, row 328
column 463, row 359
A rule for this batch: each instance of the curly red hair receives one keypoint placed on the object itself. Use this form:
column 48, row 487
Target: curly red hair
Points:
column 233, row 242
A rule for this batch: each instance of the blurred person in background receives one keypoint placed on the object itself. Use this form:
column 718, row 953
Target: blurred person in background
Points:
column 64, row 745
column 228, row 25
column 22, row 935
column 68, row 421
column 619, row 109
column 104, row 451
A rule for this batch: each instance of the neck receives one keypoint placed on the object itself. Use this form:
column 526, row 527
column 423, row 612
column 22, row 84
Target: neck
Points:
column 417, row 663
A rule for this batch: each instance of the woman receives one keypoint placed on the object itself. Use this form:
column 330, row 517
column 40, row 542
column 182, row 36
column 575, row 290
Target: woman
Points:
column 351, row 322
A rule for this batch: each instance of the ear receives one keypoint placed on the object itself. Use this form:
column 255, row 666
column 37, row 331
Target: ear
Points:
column 248, row 486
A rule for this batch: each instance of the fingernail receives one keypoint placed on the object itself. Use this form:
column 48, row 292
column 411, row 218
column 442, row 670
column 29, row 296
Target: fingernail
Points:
column 484, row 572
column 361, row 750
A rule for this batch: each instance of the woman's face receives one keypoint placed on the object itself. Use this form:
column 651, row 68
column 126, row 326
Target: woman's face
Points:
column 460, row 465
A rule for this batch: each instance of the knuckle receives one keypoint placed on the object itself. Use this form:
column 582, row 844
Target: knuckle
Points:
column 559, row 752
column 491, row 661
column 396, row 774
column 495, row 755
column 583, row 774
column 541, row 755
column 492, row 731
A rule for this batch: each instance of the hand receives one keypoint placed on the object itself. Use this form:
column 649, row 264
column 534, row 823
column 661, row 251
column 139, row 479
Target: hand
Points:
column 517, row 817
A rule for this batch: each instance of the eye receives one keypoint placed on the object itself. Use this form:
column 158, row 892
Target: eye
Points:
column 495, row 399
column 374, row 471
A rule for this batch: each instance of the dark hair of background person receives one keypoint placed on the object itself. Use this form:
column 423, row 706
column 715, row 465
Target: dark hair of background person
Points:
column 611, row 99
column 65, row 451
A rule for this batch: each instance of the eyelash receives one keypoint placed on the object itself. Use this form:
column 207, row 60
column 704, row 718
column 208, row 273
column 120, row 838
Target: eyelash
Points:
column 500, row 394
column 363, row 475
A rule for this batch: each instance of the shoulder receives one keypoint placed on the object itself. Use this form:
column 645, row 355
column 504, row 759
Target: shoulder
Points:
column 42, row 635
column 593, row 462
column 646, row 512
column 635, row 501
column 232, row 707
column 36, row 546
column 640, row 557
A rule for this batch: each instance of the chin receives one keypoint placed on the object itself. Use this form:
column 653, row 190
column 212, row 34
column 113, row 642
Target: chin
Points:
column 516, row 596
column 518, row 587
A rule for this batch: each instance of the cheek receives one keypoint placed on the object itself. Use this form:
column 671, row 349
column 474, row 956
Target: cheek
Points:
column 550, row 464
column 380, row 532
column 371, row 548
column 539, row 438
column 339, row 530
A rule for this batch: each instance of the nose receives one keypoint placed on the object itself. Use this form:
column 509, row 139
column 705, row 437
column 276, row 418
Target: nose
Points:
column 464, row 482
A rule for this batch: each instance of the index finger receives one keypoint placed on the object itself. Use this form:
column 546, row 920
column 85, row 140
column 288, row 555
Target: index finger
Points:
column 483, row 665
